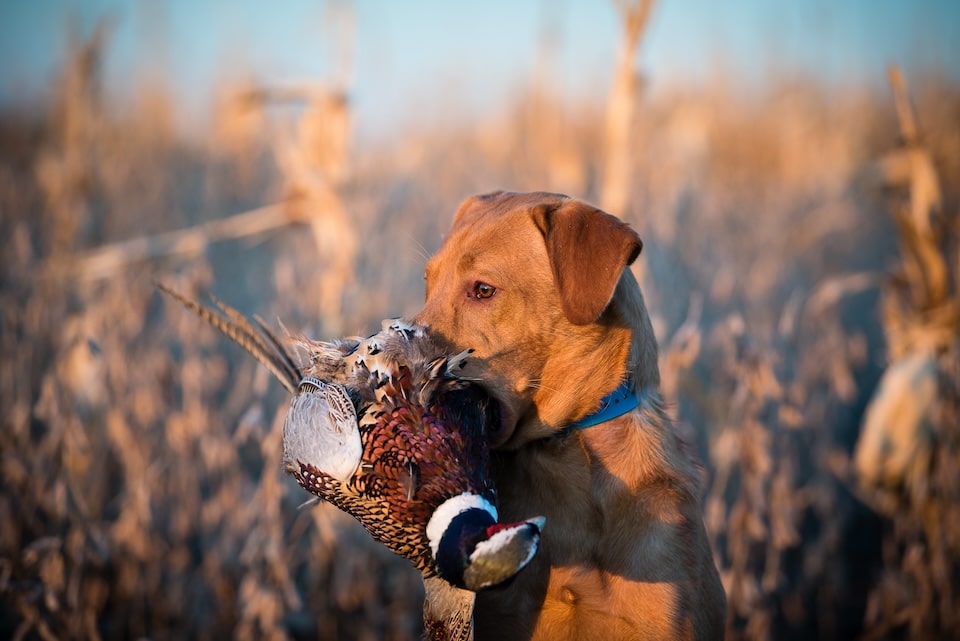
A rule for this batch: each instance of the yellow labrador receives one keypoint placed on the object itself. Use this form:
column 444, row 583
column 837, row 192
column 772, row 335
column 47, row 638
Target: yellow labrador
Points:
column 538, row 285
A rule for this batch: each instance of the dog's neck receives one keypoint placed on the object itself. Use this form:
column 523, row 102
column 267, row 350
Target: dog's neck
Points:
column 639, row 370
column 573, row 381
column 618, row 447
column 625, row 398
column 583, row 461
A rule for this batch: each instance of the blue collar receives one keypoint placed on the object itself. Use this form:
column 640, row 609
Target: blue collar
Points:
column 616, row 403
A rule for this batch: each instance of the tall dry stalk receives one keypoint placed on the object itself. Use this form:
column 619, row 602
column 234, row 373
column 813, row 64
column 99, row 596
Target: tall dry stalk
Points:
column 315, row 163
column 64, row 170
column 622, row 107
column 908, row 455
column 314, row 158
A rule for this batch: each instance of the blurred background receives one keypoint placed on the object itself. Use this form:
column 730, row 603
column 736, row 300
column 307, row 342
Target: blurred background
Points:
column 793, row 169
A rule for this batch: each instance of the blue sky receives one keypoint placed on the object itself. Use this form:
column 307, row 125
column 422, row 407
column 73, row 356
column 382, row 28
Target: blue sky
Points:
column 421, row 61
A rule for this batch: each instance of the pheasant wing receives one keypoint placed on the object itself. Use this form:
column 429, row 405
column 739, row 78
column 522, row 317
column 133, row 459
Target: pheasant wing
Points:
column 321, row 430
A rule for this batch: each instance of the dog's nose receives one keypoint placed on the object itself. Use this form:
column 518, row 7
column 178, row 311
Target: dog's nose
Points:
column 432, row 319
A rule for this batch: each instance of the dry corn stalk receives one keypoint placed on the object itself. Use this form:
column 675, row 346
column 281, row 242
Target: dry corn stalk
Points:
column 921, row 313
column 621, row 109
column 315, row 163
column 909, row 450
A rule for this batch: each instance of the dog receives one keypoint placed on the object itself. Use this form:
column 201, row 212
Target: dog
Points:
column 539, row 286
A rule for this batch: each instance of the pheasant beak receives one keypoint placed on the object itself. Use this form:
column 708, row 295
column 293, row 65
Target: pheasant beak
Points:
column 472, row 550
column 508, row 550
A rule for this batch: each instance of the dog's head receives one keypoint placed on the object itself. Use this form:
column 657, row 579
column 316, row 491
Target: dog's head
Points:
column 537, row 285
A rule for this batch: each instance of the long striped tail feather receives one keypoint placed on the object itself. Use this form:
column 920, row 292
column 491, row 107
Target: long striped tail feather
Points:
column 260, row 341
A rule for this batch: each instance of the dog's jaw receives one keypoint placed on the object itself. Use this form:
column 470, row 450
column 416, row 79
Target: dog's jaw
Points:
column 513, row 405
column 536, row 398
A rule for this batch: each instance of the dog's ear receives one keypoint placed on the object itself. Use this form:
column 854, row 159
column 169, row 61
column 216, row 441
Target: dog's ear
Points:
column 588, row 250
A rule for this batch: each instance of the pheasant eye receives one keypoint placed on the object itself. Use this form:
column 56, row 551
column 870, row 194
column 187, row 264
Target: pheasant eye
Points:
column 483, row 290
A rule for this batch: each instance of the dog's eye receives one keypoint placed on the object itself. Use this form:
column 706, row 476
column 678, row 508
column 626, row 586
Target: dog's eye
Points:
column 483, row 290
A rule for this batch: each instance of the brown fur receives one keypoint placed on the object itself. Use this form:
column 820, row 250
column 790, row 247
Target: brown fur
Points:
column 624, row 554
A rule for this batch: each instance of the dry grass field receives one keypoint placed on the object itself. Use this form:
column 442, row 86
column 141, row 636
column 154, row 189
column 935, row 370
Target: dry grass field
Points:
column 801, row 261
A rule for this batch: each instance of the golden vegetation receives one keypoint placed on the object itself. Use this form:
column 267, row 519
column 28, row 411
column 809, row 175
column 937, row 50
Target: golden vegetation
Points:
column 788, row 259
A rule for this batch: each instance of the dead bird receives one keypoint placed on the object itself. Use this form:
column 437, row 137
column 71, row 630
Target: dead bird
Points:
column 384, row 429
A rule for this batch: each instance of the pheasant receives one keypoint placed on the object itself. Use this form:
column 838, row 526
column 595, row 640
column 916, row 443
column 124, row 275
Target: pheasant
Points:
column 384, row 429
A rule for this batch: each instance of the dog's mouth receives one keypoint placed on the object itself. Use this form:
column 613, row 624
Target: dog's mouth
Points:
column 498, row 419
column 495, row 422
column 499, row 422
column 474, row 405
